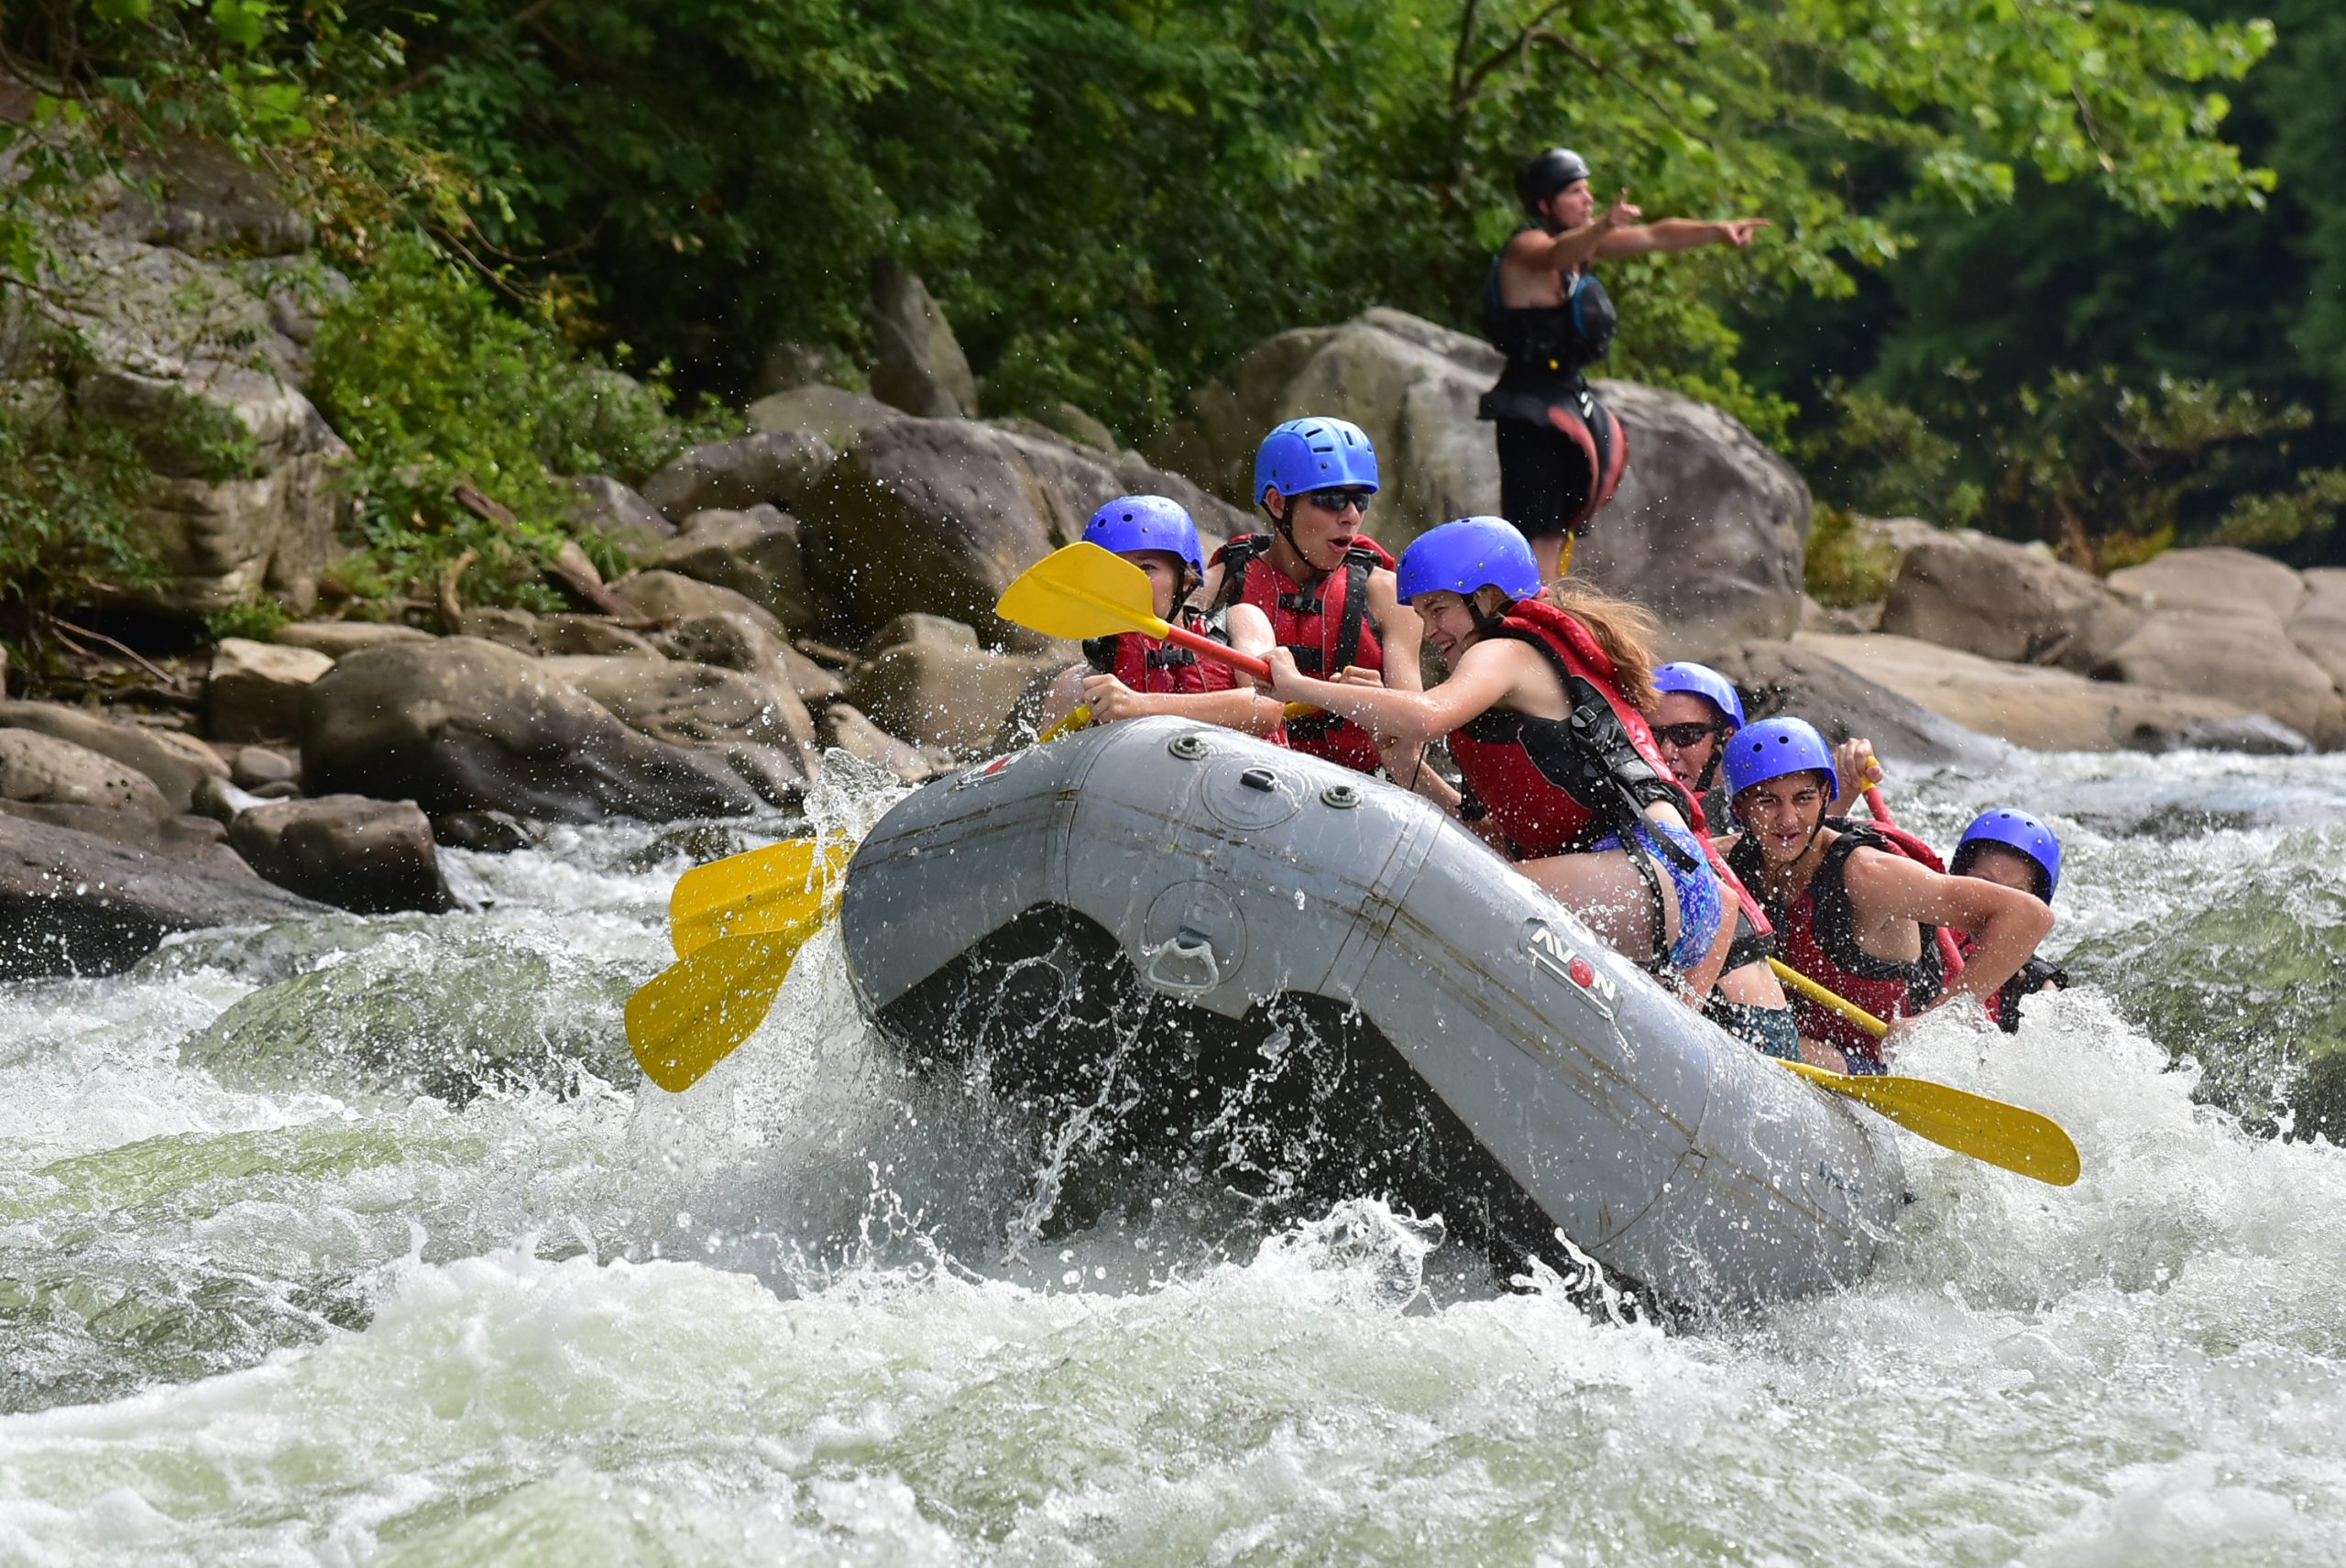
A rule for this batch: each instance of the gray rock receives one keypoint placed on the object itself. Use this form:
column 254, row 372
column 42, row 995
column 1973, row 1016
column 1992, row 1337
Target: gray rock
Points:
column 1077, row 425
column 71, row 903
column 767, row 466
column 1778, row 678
column 611, row 507
column 840, row 419
column 591, row 635
column 39, row 769
column 844, row 726
column 674, row 597
column 460, row 724
column 196, row 840
column 790, row 363
column 335, row 637
column 484, row 832
column 2029, row 704
column 2244, row 659
column 2319, row 628
column 2002, row 600
column 1707, row 528
column 220, row 800
column 940, row 694
column 257, row 765
column 175, row 762
column 200, row 198
column 503, row 625
column 920, row 366
column 941, row 515
column 372, row 857
column 765, row 735
column 754, row 553
column 2252, row 733
column 735, row 641
column 256, row 689
column 914, row 626
column 2217, row 579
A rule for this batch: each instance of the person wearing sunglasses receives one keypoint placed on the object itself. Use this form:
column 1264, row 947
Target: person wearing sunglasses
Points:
column 1326, row 588
column 1697, row 712
column 1544, row 710
column 1562, row 450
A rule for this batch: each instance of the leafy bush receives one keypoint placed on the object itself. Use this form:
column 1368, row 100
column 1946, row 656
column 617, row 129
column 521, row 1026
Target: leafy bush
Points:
column 1847, row 564
column 434, row 385
column 256, row 620
column 69, row 489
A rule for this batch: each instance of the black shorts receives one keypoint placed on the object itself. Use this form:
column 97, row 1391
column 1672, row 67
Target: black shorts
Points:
column 1543, row 477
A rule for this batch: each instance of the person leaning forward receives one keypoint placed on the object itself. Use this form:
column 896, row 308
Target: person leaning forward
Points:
column 1562, row 452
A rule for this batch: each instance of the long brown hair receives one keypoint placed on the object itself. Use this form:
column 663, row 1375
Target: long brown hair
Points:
column 1623, row 628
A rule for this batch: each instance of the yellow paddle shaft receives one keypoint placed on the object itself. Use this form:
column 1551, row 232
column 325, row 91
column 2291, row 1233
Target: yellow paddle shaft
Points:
column 1823, row 998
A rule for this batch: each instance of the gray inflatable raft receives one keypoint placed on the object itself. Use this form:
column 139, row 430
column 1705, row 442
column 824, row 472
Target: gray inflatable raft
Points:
column 1312, row 980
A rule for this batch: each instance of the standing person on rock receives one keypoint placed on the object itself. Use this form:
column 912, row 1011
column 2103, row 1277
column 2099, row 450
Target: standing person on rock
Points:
column 1853, row 902
column 1544, row 709
column 1326, row 588
column 1131, row 676
column 1562, row 452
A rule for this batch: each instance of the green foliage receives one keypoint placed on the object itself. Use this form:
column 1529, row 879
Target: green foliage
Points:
column 434, row 385
column 1883, row 459
column 2268, row 522
column 1847, row 564
column 67, row 526
column 256, row 620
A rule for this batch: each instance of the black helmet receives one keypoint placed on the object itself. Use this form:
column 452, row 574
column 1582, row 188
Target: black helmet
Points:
column 1546, row 174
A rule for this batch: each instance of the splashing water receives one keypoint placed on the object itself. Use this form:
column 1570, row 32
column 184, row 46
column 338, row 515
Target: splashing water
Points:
column 359, row 1241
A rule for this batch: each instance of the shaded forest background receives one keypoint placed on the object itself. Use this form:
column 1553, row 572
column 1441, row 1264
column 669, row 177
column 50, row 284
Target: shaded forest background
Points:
column 2064, row 269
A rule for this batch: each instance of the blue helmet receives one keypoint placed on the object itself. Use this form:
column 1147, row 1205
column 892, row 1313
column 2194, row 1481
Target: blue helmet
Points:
column 1314, row 454
column 1774, row 747
column 1146, row 522
column 1701, row 680
column 1469, row 554
column 2013, row 831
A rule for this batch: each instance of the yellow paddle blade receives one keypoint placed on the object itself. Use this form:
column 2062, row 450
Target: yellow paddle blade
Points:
column 698, row 1009
column 1953, row 1118
column 761, row 890
column 1082, row 591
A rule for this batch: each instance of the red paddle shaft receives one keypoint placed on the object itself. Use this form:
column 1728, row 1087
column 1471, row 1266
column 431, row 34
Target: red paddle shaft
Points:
column 1950, row 957
column 1222, row 653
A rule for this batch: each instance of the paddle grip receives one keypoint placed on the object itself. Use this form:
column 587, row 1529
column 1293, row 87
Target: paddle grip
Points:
column 1823, row 998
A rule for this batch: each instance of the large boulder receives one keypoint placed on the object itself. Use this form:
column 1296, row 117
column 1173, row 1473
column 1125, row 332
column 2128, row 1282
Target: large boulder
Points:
column 335, row 637
column 611, row 507
column 936, row 691
column 41, row 770
column 754, row 553
column 2046, row 709
column 175, row 762
column 2215, row 579
column 763, row 734
column 732, row 641
column 224, row 537
column 1778, row 677
column 256, row 689
column 764, row 467
column 941, row 515
column 2007, row 601
column 671, row 596
column 374, row 856
column 2247, row 660
column 460, row 724
column 1707, row 528
column 840, row 419
column 556, row 634
column 73, row 903
column 2319, row 628
column 920, row 366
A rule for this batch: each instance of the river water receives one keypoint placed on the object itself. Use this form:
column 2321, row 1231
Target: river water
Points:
column 359, row 1241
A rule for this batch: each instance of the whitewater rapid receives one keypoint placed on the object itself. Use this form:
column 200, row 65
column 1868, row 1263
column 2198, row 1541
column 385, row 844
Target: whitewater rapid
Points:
column 358, row 1242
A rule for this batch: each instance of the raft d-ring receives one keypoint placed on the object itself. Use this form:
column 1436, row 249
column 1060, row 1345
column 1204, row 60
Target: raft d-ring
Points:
column 1185, row 965
column 1189, row 748
column 1341, row 796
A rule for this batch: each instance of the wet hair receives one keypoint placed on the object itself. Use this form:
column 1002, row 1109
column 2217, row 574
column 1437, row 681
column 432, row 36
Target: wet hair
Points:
column 1623, row 628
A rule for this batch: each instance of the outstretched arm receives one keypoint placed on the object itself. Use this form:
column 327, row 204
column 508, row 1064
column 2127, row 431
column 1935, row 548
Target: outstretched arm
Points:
column 1679, row 233
column 2007, row 923
column 1561, row 252
column 1483, row 678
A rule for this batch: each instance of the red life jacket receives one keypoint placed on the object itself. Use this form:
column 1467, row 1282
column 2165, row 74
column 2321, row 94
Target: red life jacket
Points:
column 1146, row 664
column 1817, row 936
column 1325, row 625
column 1548, row 795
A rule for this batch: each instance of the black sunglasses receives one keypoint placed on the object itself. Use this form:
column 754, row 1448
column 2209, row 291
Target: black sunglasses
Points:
column 1684, row 735
column 1337, row 501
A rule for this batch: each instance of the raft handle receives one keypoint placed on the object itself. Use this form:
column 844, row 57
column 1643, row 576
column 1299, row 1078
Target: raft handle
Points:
column 1261, row 779
column 1343, row 797
column 1188, row 747
column 1186, row 964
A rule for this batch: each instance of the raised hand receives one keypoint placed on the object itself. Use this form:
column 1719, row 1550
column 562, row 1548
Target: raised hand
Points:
column 1737, row 232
